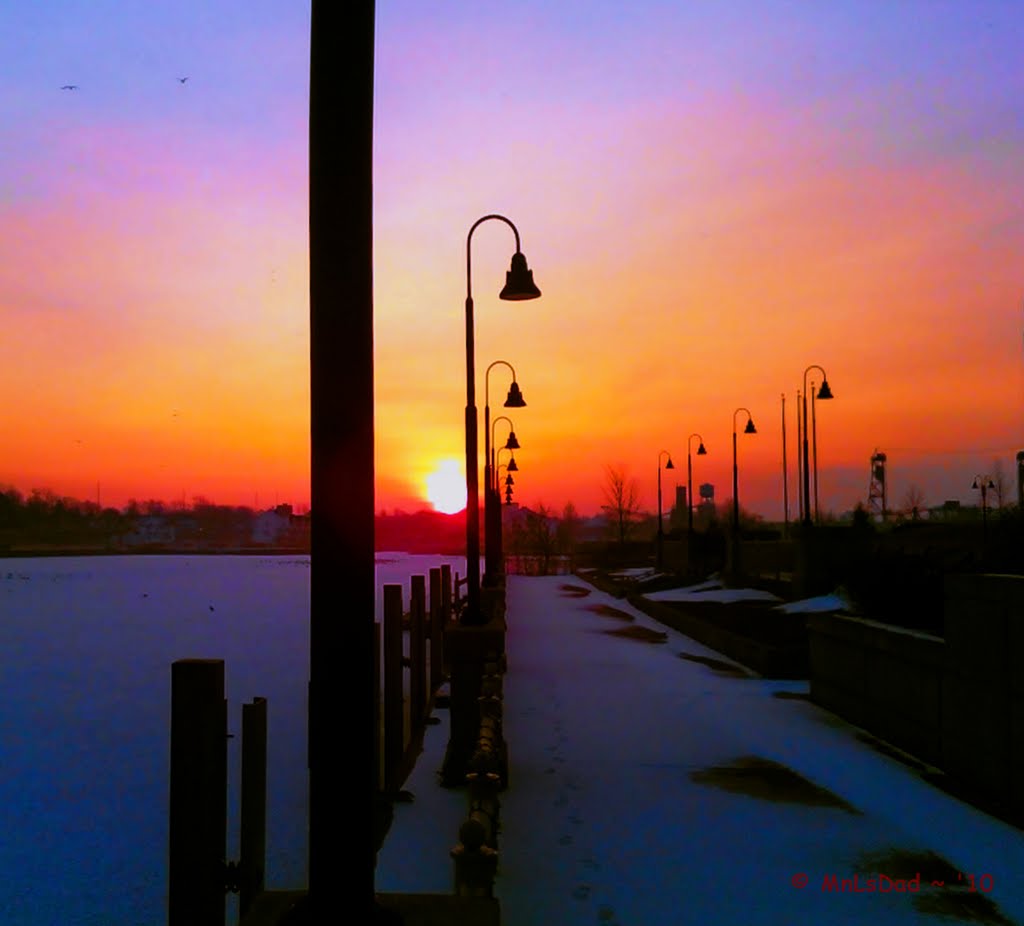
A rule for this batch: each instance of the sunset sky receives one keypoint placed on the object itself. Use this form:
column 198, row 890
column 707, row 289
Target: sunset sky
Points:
column 712, row 197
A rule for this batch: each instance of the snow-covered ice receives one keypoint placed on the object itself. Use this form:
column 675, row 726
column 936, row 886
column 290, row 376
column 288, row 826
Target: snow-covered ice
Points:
column 86, row 646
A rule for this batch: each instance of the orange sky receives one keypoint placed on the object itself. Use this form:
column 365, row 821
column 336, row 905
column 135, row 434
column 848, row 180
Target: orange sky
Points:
column 708, row 207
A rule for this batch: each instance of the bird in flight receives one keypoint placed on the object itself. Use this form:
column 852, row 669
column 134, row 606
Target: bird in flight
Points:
column 69, row 87
column 182, row 80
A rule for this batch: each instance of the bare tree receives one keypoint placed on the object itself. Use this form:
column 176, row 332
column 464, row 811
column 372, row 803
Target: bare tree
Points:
column 622, row 500
column 541, row 537
column 913, row 502
column 567, row 533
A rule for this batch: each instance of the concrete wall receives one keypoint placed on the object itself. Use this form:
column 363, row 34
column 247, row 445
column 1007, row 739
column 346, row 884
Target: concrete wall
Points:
column 957, row 703
column 983, row 691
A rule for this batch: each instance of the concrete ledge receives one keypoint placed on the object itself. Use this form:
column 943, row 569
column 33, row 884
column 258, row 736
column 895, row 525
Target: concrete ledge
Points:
column 768, row 660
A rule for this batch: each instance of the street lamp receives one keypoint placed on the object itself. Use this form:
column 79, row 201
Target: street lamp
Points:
column 497, row 539
column 512, row 443
column 984, row 483
column 492, row 502
column 749, row 429
column 823, row 393
column 689, row 479
column 511, row 467
column 661, row 535
column 519, row 285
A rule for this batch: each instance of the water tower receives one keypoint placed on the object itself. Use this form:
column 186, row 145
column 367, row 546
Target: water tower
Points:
column 876, row 488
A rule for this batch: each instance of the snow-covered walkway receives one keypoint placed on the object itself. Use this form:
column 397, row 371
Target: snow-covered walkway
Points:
column 651, row 789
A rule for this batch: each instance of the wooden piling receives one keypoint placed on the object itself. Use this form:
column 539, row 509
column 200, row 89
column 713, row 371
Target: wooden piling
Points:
column 253, row 837
column 446, row 595
column 378, row 738
column 394, row 709
column 198, row 794
column 434, row 631
column 417, row 654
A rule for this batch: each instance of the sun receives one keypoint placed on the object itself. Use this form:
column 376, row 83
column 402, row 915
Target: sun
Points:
column 446, row 487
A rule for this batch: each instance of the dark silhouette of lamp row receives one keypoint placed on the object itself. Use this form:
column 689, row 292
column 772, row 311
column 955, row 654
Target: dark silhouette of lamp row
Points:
column 808, row 439
column 493, row 556
column 519, row 286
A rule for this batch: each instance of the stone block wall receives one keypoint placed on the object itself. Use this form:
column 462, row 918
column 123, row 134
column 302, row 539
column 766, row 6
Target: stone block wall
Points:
column 957, row 703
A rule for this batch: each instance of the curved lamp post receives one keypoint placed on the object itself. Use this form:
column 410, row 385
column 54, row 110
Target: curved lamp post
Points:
column 519, row 285
column 509, row 482
column 511, row 467
column 984, row 483
column 749, row 429
column 823, row 393
column 510, row 444
column 496, row 538
column 492, row 501
column 661, row 534
column 689, row 478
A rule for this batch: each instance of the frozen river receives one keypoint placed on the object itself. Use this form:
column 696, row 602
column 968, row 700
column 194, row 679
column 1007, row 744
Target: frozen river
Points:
column 86, row 646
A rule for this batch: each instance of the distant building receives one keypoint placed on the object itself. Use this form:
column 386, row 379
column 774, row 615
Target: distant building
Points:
column 271, row 527
column 949, row 510
column 150, row 530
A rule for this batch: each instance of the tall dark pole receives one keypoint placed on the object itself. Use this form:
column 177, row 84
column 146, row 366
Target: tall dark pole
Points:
column 735, row 485
column 472, row 614
column 488, row 503
column 807, row 474
column 814, row 454
column 824, row 393
column 785, row 474
column 749, row 429
column 661, row 533
column 689, row 480
column 799, row 467
column 341, row 460
column 689, row 492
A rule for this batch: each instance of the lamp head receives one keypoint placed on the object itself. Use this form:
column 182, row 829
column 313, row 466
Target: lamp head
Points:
column 750, row 429
column 824, row 392
column 701, row 452
column 519, row 283
column 515, row 397
column 512, row 468
column 991, row 484
column 669, row 465
column 974, row 484
column 512, row 443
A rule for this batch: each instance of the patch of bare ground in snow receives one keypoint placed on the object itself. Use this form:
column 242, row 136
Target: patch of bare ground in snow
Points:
column 573, row 591
column 770, row 781
column 720, row 666
column 643, row 634
column 944, row 891
column 606, row 610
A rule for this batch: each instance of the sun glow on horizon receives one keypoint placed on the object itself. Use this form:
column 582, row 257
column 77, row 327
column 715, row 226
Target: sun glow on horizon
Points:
column 446, row 487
